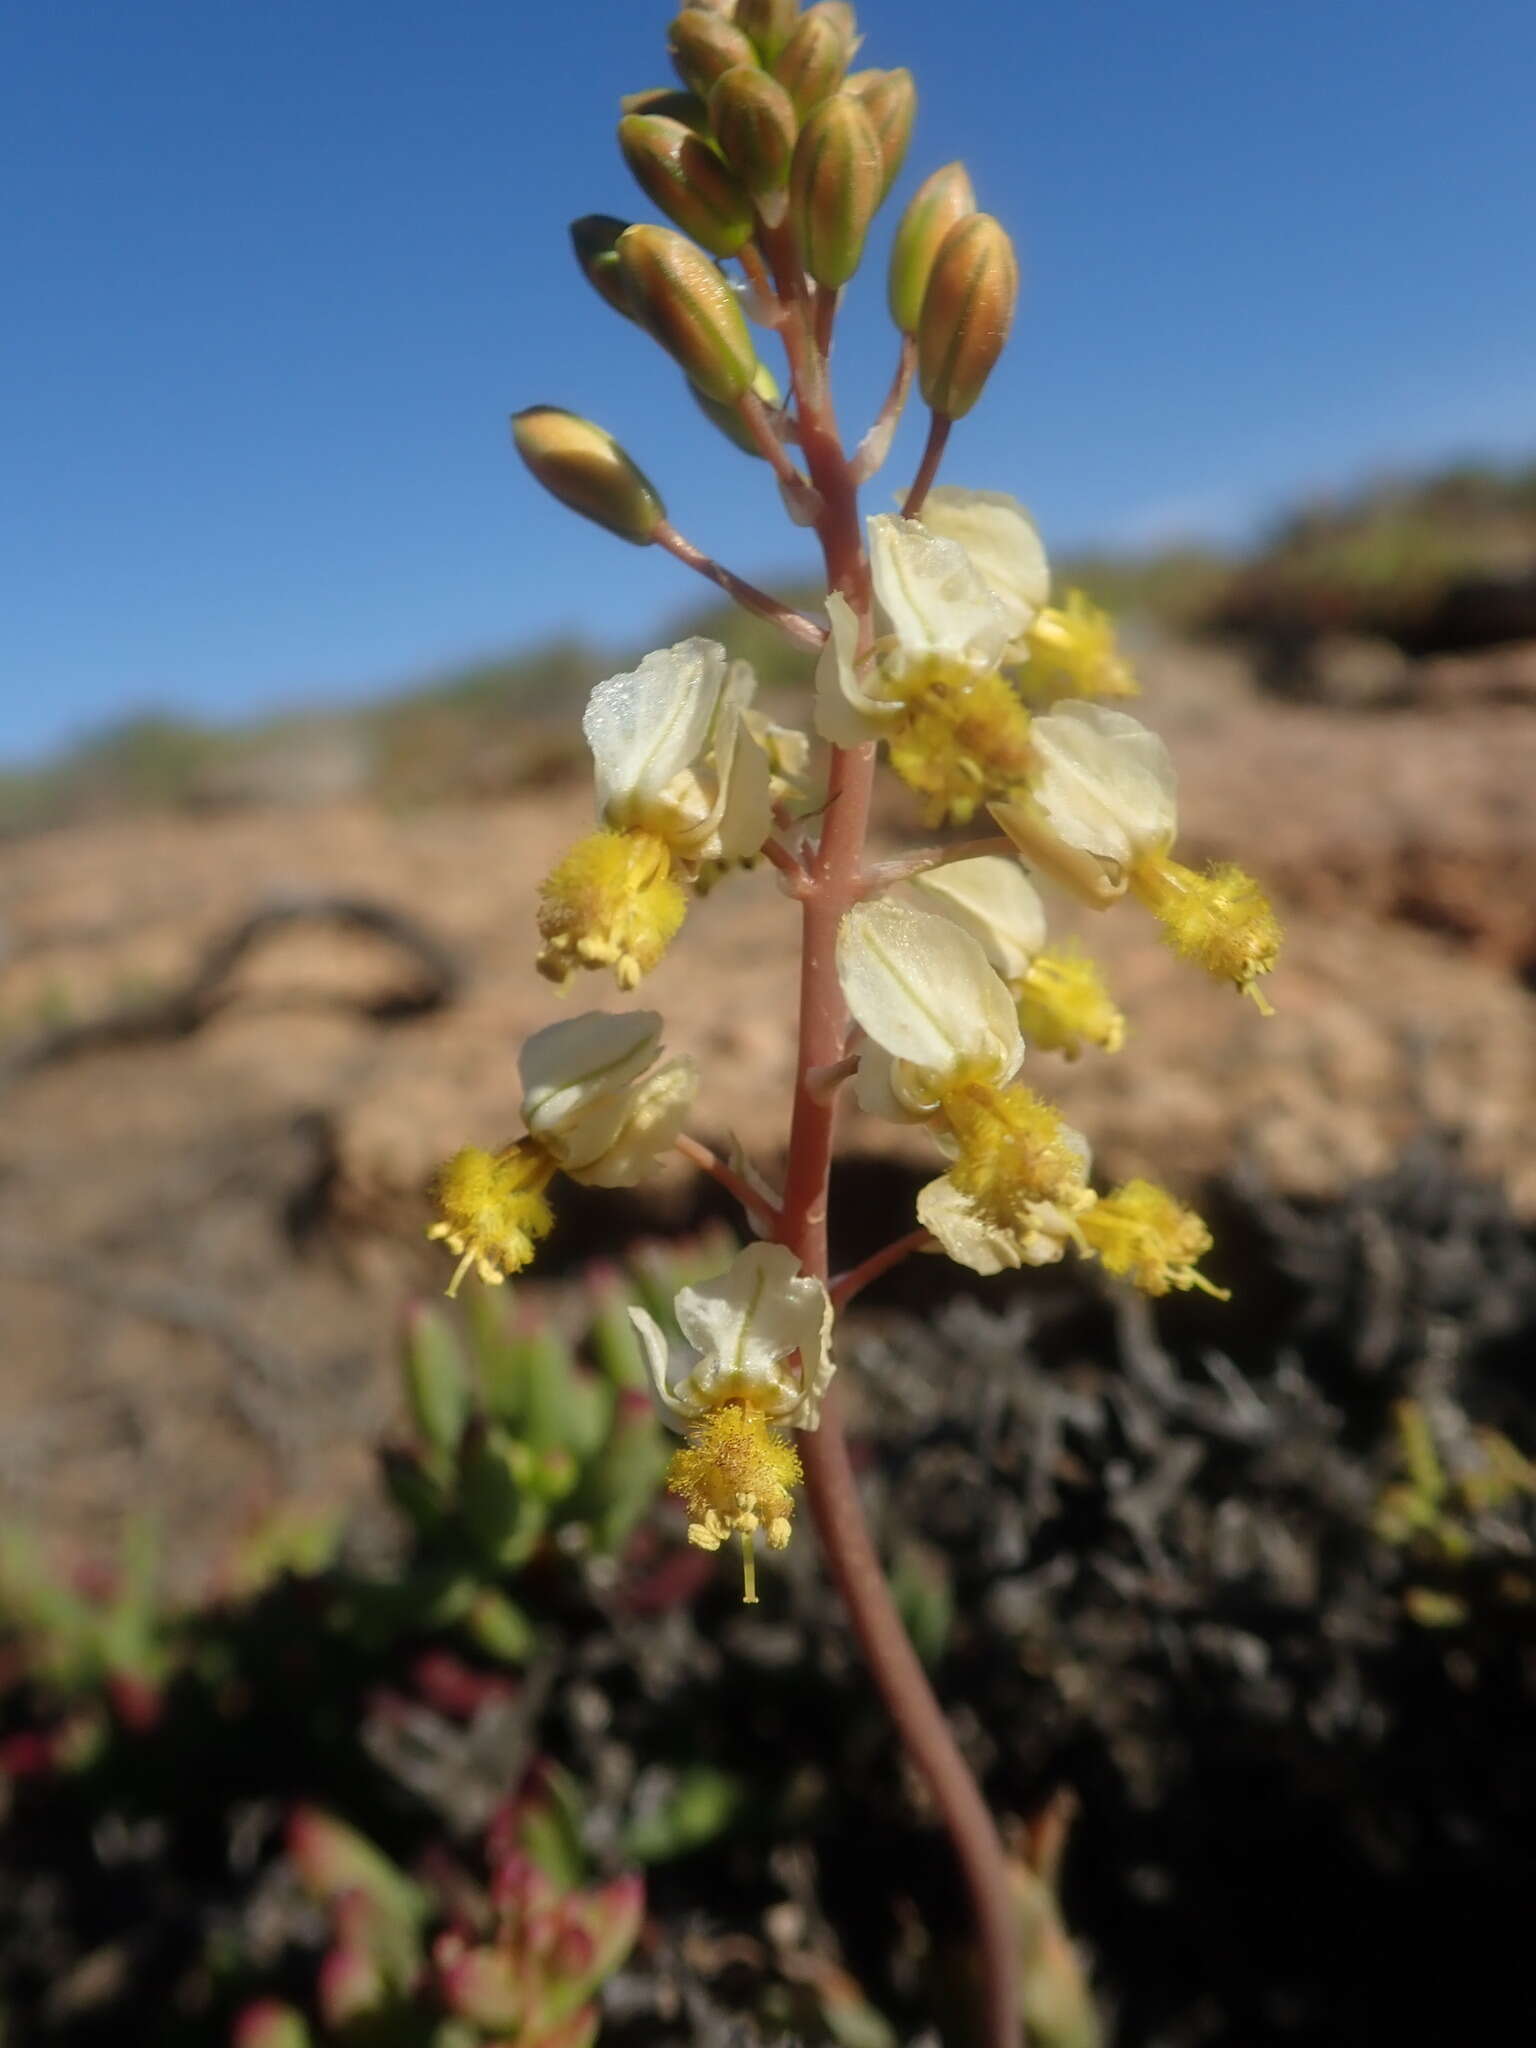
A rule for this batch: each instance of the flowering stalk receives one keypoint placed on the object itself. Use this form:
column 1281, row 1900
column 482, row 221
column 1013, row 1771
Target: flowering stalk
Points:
column 836, row 882
column 923, row 979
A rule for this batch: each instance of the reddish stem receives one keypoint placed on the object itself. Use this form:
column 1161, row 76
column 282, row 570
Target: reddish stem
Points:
column 758, row 278
column 755, row 418
column 803, row 631
column 776, row 852
column 835, row 884
column 733, row 1182
column 928, row 468
column 903, row 866
column 857, row 1278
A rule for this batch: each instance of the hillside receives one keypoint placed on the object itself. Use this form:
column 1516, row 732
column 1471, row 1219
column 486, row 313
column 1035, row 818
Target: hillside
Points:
column 1340, row 599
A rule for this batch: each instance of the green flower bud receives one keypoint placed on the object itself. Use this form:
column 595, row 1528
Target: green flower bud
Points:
column 728, row 417
column 683, row 301
column 702, row 46
column 967, row 312
column 671, row 103
column 588, row 471
column 687, row 181
column 933, row 209
column 841, row 16
column 811, row 65
column 890, row 100
column 769, row 23
column 835, row 186
column 594, row 238
column 753, row 118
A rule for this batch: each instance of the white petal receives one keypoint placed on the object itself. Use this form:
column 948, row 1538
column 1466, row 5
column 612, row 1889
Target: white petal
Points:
column 942, row 1209
column 845, row 713
column 994, row 900
column 1001, row 539
column 1038, row 1237
column 788, row 749
column 675, row 1412
column 933, row 597
column 746, row 795
column 617, row 1150
column 757, row 1314
column 892, row 1089
column 816, row 1361
column 1106, row 784
column 568, row 1065
column 646, row 726
column 922, row 989
column 874, row 1087
column 1098, row 882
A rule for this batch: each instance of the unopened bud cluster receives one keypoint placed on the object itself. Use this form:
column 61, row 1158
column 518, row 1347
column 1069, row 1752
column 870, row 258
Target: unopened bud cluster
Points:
column 947, row 651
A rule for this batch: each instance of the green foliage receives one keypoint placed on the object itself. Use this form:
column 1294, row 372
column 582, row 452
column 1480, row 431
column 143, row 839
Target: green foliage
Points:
column 81, row 1636
column 532, row 1458
column 1454, row 1522
column 523, row 1956
column 699, row 1804
column 520, row 1443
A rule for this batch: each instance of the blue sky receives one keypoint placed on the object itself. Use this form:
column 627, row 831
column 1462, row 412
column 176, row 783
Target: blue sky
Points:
column 277, row 270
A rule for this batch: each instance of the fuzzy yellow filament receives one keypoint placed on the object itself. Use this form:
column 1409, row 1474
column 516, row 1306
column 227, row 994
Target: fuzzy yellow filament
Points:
column 613, row 901
column 1222, row 919
column 1143, row 1235
column 491, row 1209
column 962, row 738
column 1073, row 653
column 1064, row 1005
column 1013, row 1152
column 734, row 1475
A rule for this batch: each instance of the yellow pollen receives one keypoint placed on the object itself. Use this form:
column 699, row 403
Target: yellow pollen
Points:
column 1064, row 1005
column 1142, row 1234
column 1221, row 919
column 491, row 1209
column 734, row 1476
column 613, row 901
column 1014, row 1152
column 962, row 737
column 1072, row 653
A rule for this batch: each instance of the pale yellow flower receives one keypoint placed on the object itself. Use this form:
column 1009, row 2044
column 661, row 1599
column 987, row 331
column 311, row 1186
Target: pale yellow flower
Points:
column 592, row 1112
column 734, row 1401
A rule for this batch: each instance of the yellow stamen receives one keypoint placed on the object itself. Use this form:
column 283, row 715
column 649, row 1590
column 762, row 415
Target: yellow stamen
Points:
column 492, row 1209
column 613, row 901
column 734, row 1473
column 1064, row 1005
column 1221, row 919
column 962, row 737
column 1014, row 1152
column 1142, row 1234
column 1072, row 653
